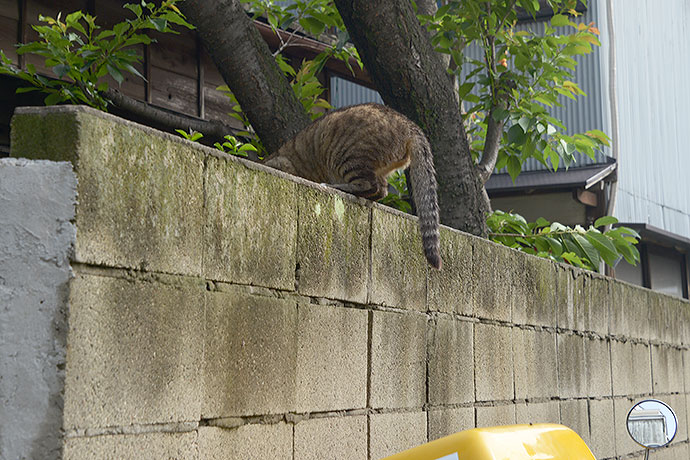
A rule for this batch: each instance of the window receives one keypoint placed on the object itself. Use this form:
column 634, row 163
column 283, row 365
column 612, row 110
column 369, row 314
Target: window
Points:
column 666, row 271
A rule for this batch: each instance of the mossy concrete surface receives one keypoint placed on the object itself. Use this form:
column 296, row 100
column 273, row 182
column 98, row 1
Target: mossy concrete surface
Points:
column 221, row 309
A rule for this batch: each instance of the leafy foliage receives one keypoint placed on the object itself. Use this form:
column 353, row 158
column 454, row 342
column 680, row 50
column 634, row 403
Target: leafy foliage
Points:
column 584, row 248
column 81, row 55
column 192, row 136
column 246, row 132
column 232, row 145
column 313, row 17
column 522, row 73
column 398, row 196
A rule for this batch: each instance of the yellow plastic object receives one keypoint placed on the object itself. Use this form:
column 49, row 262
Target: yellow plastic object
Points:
column 544, row 441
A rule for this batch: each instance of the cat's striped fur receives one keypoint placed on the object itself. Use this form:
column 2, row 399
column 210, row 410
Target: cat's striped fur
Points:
column 355, row 148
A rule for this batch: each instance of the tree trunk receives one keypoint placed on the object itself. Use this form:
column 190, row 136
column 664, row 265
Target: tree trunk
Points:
column 412, row 79
column 248, row 68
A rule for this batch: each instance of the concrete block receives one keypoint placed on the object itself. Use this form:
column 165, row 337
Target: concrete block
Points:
column 451, row 368
column 452, row 289
column 602, row 440
column 144, row 446
column 256, row 442
column 534, row 298
column 683, row 319
column 629, row 311
column 444, row 422
column 133, row 353
column 536, row 366
column 493, row 266
column 398, row 360
column 50, row 133
column 672, row 452
column 493, row 360
column 632, row 368
column 333, row 246
column 565, row 308
column 398, row 266
column 37, row 206
column 395, row 432
column 571, row 366
column 123, row 169
column 624, row 443
column 331, row 358
column 665, row 318
column 597, row 368
column 587, row 307
column 251, row 355
column 251, row 225
column 599, row 303
column 545, row 412
column 333, row 438
column 503, row 414
column 667, row 369
column 575, row 415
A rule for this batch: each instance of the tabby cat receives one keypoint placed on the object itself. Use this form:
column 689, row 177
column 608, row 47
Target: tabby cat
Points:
column 356, row 148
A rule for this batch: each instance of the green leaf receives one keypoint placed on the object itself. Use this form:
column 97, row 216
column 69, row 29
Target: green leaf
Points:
column 313, row 26
column 53, row 98
column 136, row 9
column 560, row 20
column 587, row 248
column 160, row 24
column 514, row 167
column 247, row 148
column 541, row 222
column 61, row 70
column 555, row 245
column 115, row 73
column 606, row 220
column 516, row 135
column 27, row 89
column 120, row 28
column 605, row 246
column 465, row 88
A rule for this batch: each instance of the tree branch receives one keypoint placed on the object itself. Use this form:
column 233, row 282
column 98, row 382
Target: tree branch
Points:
column 492, row 142
column 165, row 120
column 248, row 68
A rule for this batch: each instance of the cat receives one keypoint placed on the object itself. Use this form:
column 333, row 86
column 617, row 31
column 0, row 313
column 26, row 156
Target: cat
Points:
column 354, row 149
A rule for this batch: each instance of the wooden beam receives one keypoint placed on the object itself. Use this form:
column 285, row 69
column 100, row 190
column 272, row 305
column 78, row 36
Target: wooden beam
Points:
column 587, row 198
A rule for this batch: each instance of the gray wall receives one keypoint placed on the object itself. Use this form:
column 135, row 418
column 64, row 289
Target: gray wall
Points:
column 222, row 310
column 37, row 204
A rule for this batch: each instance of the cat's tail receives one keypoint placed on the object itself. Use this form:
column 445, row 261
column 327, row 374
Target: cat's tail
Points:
column 424, row 188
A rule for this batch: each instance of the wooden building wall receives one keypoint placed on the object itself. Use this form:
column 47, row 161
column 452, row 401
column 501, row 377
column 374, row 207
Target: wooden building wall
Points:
column 180, row 75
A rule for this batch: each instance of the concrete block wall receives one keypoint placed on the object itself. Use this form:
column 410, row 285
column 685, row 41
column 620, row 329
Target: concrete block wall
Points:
column 220, row 309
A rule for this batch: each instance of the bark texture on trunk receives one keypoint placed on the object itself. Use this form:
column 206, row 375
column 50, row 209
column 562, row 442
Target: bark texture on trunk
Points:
column 248, row 68
column 412, row 79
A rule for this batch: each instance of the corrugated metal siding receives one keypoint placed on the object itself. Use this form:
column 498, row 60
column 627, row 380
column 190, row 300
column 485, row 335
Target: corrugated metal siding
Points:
column 653, row 63
column 344, row 93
